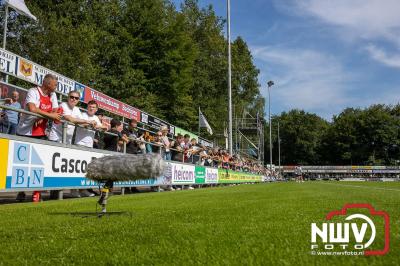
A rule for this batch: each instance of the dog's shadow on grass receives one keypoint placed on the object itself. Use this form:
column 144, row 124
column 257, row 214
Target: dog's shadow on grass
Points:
column 93, row 214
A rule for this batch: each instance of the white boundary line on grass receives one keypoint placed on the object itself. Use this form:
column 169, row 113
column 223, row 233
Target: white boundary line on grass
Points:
column 379, row 188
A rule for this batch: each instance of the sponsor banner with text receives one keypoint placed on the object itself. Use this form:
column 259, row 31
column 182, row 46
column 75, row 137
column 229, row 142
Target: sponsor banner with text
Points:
column 200, row 174
column 182, row 173
column 27, row 70
column 156, row 123
column 40, row 166
column 8, row 62
column 25, row 165
column 229, row 176
column 211, row 176
column 110, row 104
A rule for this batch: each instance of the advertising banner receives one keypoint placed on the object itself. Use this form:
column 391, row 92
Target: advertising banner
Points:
column 40, row 166
column 8, row 62
column 26, row 165
column 229, row 176
column 182, row 173
column 200, row 174
column 35, row 73
column 211, row 176
column 27, row 70
column 110, row 104
column 156, row 123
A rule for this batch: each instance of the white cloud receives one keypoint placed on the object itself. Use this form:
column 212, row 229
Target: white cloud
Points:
column 370, row 18
column 363, row 20
column 305, row 79
column 381, row 56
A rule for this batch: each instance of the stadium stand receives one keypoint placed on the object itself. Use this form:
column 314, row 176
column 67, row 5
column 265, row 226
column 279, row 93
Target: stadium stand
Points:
column 36, row 164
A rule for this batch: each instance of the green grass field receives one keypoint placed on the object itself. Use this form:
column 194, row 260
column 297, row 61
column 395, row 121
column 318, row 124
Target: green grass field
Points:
column 262, row 224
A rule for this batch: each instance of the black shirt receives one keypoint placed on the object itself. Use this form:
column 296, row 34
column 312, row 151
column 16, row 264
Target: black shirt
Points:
column 133, row 146
column 110, row 141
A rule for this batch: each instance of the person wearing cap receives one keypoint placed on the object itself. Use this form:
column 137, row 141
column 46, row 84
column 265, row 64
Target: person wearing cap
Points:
column 98, row 140
column 133, row 132
column 166, row 143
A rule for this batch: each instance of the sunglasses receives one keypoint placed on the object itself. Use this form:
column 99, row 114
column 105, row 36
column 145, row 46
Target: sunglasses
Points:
column 74, row 98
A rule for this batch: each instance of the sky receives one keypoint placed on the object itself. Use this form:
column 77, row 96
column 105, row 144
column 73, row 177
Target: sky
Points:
column 322, row 55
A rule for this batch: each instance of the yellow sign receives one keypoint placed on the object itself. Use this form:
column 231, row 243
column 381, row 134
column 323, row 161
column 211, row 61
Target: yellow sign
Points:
column 3, row 162
column 25, row 68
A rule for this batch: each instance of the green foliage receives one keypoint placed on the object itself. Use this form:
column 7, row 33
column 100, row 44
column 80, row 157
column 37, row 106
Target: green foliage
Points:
column 169, row 63
column 300, row 135
column 354, row 137
column 369, row 136
column 143, row 52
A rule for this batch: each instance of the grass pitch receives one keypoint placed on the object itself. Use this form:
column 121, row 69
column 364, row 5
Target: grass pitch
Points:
column 262, row 224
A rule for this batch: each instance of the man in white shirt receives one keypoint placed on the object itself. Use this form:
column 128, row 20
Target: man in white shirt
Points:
column 83, row 136
column 70, row 113
column 41, row 100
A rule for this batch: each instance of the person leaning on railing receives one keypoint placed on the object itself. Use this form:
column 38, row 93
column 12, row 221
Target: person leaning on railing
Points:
column 157, row 141
column 43, row 101
column 116, row 141
column 136, row 138
column 40, row 100
column 85, row 136
column 71, row 113
column 166, row 144
column 177, row 147
column 98, row 140
column 9, row 118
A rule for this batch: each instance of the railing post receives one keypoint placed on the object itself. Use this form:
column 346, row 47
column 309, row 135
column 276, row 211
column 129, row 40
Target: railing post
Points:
column 64, row 131
column 60, row 195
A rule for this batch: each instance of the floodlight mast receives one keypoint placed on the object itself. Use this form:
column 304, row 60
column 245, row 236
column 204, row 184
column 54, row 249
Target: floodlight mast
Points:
column 270, row 83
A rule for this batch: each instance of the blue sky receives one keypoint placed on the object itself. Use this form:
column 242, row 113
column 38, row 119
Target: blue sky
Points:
column 322, row 55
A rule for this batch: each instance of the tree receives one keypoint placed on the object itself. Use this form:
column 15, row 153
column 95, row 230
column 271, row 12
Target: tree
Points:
column 300, row 135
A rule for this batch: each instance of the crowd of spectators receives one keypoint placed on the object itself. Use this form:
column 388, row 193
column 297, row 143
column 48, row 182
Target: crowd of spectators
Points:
column 89, row 129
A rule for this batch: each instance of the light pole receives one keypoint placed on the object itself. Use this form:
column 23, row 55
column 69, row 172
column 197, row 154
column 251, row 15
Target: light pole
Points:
column 270, row 83
column 5, row 35
column 5, row 27
column 279, row 150
column 228, row 5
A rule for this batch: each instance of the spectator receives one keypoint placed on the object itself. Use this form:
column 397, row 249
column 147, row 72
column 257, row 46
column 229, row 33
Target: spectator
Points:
column 194, row 151
column 43, row 101
column 178, row 148
column 165, row 143
column 133, row 132
column 204, row 157
column 83, row 136
column 149, row 138
column 112, row 142
column 214, row 156
column 157, row 141
column 72, row 114
column 99, row 135
column 9, row 119
column 186, row 140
